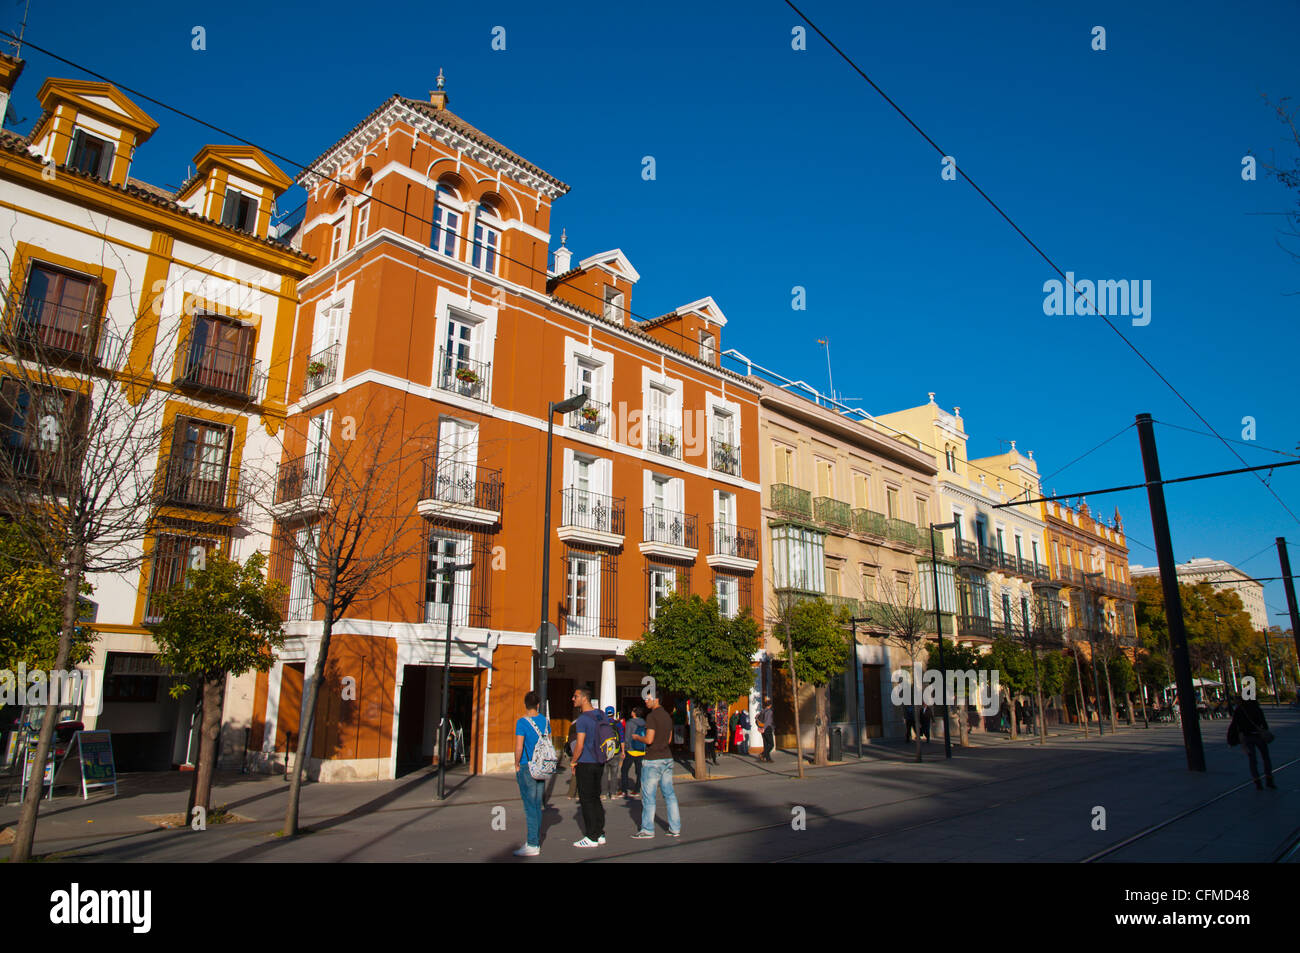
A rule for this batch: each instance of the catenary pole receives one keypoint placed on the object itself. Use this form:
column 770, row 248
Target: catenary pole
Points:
column 1289, row 584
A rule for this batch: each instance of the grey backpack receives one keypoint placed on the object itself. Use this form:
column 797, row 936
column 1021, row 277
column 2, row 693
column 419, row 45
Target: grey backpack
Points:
column 542, row 764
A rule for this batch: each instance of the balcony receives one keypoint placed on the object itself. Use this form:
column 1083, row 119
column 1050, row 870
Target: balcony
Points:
column 591, row 518
column 791, row 501
column 901, row 530
column 54, row 333
column 724, row 457
column 41, row 465
column 222, row 372
column 196, row 484
column 923, row 540
column 663, row 439
column 460, row 375
column 732, row 547
column 460, row 491
column 972, row 553
column 975, row 626
column 592, row 418
column 300, row 486
column 869, row 523
column 1032, row 570
column 668, row 533
column 832, row 512
column 322, row 369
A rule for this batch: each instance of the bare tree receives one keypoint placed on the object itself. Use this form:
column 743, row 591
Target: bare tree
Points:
column 346, row 519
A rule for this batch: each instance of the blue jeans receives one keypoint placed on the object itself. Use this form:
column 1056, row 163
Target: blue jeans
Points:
column 530, row 790
column 657, row 775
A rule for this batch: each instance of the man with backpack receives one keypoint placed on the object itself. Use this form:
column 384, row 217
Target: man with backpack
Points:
column 534, row 762
column 590, row 749
column 610, row 778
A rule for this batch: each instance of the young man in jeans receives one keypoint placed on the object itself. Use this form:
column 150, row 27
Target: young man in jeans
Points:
column 587, row 769
column 657, row 772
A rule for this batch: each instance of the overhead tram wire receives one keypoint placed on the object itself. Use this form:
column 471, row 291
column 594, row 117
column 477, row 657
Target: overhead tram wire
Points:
column 307, row 168
column 1244, row 443
column 1042, row 254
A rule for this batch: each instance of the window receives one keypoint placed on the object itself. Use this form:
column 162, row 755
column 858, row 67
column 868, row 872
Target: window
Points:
column 1001, row 547
column 922, row 511
column 487, row 239
column 613, row 304
column 891, row 503
column 455, row 471
column 726, row 589
column 90, row 154
column 950, row 458
column 583, row 595
column 861, row 498
column 174, row 554
column 662, row 584
column 981, row 531
column 1020, row 545
column 825, row 478
column 196, row 469
column 1034, row 544
column 783, row 458
column 461, row 371
column 339, row 240
column 1007, row 618
column 220, row 356
column 868, row 585
column 588, row 378
column 60, row 309
column 302, row 599
column 239, row 211
column 363, row 221
column 445, row 589
column 832, row 581
column 446, row 223
column 975, row 596
column 32, row 421
column 798, row 559
column 708, row 347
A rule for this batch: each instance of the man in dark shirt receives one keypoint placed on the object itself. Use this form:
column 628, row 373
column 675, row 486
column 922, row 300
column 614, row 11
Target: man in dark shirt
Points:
column 657, row 772
column 765, row 725
column 587, row 768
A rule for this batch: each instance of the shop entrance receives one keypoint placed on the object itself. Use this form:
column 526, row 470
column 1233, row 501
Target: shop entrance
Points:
column 872, row 701
column 419, row 707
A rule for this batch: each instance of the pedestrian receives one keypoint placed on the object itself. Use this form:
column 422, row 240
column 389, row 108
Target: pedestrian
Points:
column 766, row 728
column 742, row 733
column 610, row 779
column 927, row 716
column 588, row 768
column 573, row 757
column 634, row 750
column 909, row 722
column 1250, row 728
column 658, row 772
column 528, row 731
column 710, row 737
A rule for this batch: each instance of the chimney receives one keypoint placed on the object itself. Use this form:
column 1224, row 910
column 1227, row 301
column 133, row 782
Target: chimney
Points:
column 439, row 96
column 562, row 255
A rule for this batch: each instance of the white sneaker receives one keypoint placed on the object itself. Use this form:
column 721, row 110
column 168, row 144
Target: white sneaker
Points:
column 601, row 840
column 528, row 850
column 586, row 842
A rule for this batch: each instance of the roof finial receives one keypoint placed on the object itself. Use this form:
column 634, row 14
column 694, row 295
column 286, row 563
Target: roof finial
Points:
column 564, row 236
column 440, row 78
column 438, row 97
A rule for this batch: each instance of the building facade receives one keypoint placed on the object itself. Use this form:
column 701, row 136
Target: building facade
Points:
column 1089, row 562
column 1220, row 575
column 183, row 295
column 432, row 296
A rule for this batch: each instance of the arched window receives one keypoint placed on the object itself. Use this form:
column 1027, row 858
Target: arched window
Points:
column 487, row 239
column 446, row 222
column 950, row 458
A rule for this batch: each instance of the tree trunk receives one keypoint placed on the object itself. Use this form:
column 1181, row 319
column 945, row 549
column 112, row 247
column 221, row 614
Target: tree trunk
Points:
column 213, row 690
column 309, row 702
column 1082, row 709
column 25, row 835
column 794, row 694
column 1110, row 697
column 1011, row 714
column 700, row 723
column 821, row 737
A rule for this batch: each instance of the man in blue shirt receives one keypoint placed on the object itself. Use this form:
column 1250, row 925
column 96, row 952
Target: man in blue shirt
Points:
column 587, row 769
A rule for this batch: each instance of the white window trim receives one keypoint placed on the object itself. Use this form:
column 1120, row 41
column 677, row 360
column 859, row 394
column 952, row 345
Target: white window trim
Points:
column 485, row 336
column 339, row 298
column 714, row 402
column 574, row 349
column 674, row 387
column 589, row 624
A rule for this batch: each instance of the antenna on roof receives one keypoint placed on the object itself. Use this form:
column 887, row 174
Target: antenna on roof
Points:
column 826, row 343
column 17, row 43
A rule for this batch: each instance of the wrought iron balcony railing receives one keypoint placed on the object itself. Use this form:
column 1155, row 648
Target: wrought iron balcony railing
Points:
column 663, row 438
column 594, row 511
column 54, row 331
column 923, row 540
column 724, row 456
column 661, row 525
column 322, row 368
column 460, row 375
column 832, row 512
column 869, row 523
column 225, row 372
column 975, row 625
column 901, row 530
column 193, row 482
column 452, row 481
column 790, row 500
column 732, row 540
column 592, row 418
column 301, row 477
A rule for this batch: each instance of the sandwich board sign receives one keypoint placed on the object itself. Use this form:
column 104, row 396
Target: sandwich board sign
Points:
column 89, row 762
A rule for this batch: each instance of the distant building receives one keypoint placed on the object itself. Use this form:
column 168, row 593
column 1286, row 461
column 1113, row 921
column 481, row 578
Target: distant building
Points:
column 1220, row 575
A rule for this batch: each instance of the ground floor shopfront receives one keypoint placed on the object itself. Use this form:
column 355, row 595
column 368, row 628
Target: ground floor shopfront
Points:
column 379, row 710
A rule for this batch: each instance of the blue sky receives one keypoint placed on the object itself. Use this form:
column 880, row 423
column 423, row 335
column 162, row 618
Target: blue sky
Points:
column 778, row 168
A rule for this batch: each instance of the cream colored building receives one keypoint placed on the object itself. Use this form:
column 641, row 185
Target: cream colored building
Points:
column 1222, row 576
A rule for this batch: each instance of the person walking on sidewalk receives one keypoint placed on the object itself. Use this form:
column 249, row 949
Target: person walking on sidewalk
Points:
column 1250, row 728
column 634, row 750
column 766, row 728
column 587, row 770
column 657, row 772
column 528, row 731
column 609, row 780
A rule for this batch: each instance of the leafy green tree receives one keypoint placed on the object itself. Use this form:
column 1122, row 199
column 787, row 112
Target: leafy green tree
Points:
column 821, row 652
column 1124, row 680
column 1156, row 672
column 956, row 658
column 692, row 650
column 224, row 620
column 31, row 619
column 1015, row 668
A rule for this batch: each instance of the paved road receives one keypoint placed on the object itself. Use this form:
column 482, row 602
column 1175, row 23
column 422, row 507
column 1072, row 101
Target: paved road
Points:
column 1001, row 801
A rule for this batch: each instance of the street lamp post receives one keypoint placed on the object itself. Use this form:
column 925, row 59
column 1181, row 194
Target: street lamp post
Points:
column 938, row 631
column 1092, row 645
column 446, row 675
column 568, row 405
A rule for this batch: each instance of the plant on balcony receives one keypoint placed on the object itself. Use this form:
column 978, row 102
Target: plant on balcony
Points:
column 667, row 442
column 590, row 414
column 315, row 368
column 467, row 376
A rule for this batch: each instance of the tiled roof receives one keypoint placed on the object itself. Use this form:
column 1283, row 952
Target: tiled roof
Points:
column 18, row 145
column 451, row 121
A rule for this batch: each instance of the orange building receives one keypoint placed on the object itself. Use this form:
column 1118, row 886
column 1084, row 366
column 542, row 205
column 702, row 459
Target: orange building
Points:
column 432, row 295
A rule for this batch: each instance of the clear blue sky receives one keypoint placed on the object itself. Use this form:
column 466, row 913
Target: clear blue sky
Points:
column 778, row 168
